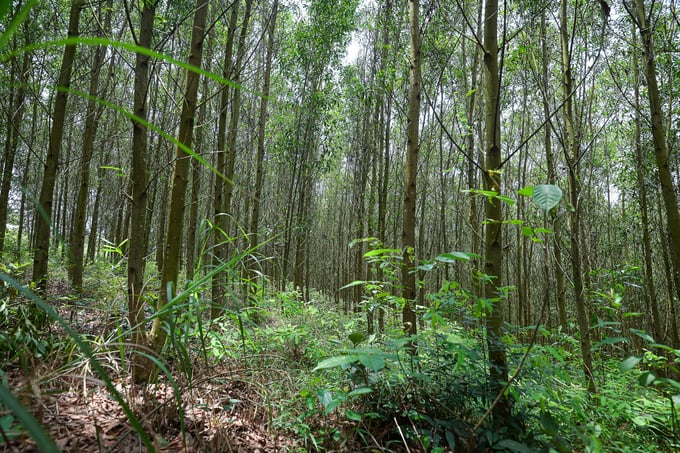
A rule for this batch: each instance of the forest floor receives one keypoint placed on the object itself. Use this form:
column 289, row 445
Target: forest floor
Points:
column 222, row 409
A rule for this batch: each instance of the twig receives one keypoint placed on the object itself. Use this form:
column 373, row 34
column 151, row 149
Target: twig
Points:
column 401, row 434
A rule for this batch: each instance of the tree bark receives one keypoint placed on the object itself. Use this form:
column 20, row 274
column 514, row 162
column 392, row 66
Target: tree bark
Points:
column 173, row 240
column 43, row 220
column 572, row 157
column 408, row 242
column 661, row 154
column 136, row 260
column 93, row 114
column 493, row 238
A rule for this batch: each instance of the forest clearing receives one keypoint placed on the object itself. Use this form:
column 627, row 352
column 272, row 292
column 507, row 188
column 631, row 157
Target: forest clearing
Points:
column 339, row 226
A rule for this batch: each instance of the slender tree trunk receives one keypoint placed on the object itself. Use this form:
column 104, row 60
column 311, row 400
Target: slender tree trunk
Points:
column 572, row 155
column 558, row 268
column 43, row 220
column 15, row 114
column 261, row 135
column 173, row 242
column 410, row 169
column 192, row 229
column 661, row 154
column 92, row 115
column 220, row 217
column 493, row 238
column 650, row 293
column 136, row 261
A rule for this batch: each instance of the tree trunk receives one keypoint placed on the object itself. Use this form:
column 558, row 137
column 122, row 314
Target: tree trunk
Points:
column 15, row 114
column 650, row 288
column 493, row 239
column 220, row 216
column 92, row 115
column 572, row 156
column 43, row 220
column 661, row 154
column 173, row 241
column 261, row 135
column 136, row 261
column 409, row 319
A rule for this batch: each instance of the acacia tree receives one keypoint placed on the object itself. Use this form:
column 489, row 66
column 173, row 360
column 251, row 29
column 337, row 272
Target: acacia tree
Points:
column 493, row 238
column 14, row 118
column 92, row 115
column 572, row 154
column 44, row 220
column 410, row 170
column 136, row 260
column 642, row 20
column 173, row 240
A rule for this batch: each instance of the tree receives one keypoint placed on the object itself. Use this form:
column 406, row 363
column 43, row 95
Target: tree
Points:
column 641, row 19
column 173, row 240
column 572, row 155
column 408, row 241
column 136, row 260
column 493, row 237
column 44, row 220
column 92, row 115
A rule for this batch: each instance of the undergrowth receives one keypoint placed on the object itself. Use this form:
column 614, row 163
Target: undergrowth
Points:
column 307, row 372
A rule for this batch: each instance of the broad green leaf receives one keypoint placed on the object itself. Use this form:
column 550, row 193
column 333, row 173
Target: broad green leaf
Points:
column 646, row 378
column 425, row 267
column 629, row 363
column 513, row 446
column 360, row 391
column 452, row 257
column 325, row 397
column 527, row 231
column 336, row 361
column 546, row 196
column 549, row 423
column 372, row 361
column 356, row 337
column 353, row 415
column 611, row 340
column 508, row 200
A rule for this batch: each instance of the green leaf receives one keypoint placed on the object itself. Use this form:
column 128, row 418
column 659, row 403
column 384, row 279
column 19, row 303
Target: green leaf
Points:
column 526, row 191
column 527, row 231
column 629, row 363
column 452, row 257
column 354, row 283
column 644, row 335
column 336, row 361
column 372, row 361
column 646, row 378
column 353, row 415
column 360, row 391
column 513, row 446
column 380, row 252
column 549, row 423
column 45, row 442
column 546, row 196
column 356, row 337
column 611, row 340
column 508, row 200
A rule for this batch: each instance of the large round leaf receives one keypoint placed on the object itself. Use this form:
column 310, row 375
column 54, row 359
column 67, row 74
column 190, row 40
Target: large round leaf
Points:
column 546, row 196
